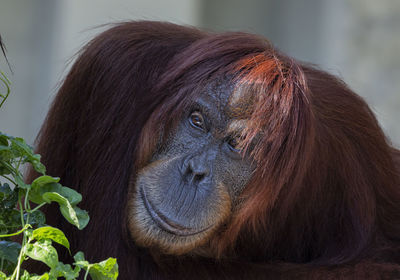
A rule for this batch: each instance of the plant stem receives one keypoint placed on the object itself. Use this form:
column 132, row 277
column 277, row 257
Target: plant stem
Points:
column 19, row 163
column 16, row 233
column 37, row 207
column 26, row 204
column 21, row 210
column 87, row 273
column 22, row 251
column 20, row 259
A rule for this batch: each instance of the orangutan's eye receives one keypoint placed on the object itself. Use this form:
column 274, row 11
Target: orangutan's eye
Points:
column 233, row 143
column 197, row 121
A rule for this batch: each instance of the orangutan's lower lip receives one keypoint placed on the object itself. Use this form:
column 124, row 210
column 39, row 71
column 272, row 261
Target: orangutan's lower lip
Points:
column 165, row 223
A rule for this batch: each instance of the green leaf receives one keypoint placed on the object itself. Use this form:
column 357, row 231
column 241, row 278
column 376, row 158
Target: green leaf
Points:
column 4, row 170
column 4, row 148
column 9, row 251
column 20, row 182
column 51, row 233
column 10, row 220
column 104, row 270
column 39, row 277
column 25, row 275
column 43, row 180
column 80, row 260
column 29, row 233
column 10, row 197
column 8, row 268
column 66, row 271
column 38, row 190
column 5, row 153
column 36, row 218
column 3, row 276
column 5, row 190
column 82, row 215
column 3, row 139
column 73, row 214
column 37, row 165
column 43, row 251
column 21, row 149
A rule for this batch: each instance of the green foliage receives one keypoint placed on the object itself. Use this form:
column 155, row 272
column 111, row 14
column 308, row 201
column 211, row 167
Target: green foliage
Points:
column 20, row 214
column 104, row 270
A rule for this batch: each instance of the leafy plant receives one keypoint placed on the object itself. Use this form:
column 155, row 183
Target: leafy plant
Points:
column 18, row 218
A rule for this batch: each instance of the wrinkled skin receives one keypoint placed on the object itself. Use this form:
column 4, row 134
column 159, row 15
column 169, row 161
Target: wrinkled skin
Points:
column 191, row 186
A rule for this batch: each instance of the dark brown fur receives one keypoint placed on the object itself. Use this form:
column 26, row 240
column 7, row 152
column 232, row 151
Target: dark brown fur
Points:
column 325, row 200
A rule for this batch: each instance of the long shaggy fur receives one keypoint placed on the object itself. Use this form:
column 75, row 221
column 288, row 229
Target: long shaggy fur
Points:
column 324, row 201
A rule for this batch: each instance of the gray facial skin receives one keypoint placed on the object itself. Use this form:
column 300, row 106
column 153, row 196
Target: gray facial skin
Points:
column 191, row 186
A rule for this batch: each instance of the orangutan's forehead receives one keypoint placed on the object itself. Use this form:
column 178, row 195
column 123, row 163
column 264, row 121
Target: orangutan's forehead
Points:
column 218, row 92
column 232, row 99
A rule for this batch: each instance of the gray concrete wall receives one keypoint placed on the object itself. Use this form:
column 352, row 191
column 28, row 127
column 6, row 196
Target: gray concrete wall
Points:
column 43, row 35
column 363, row 47
column 27, row 28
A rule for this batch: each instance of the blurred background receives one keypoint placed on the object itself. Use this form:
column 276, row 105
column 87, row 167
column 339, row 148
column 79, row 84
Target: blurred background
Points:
column 358, row 40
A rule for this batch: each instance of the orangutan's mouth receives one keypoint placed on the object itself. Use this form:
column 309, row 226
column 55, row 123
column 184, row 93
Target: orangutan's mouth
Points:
column 165, row 223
